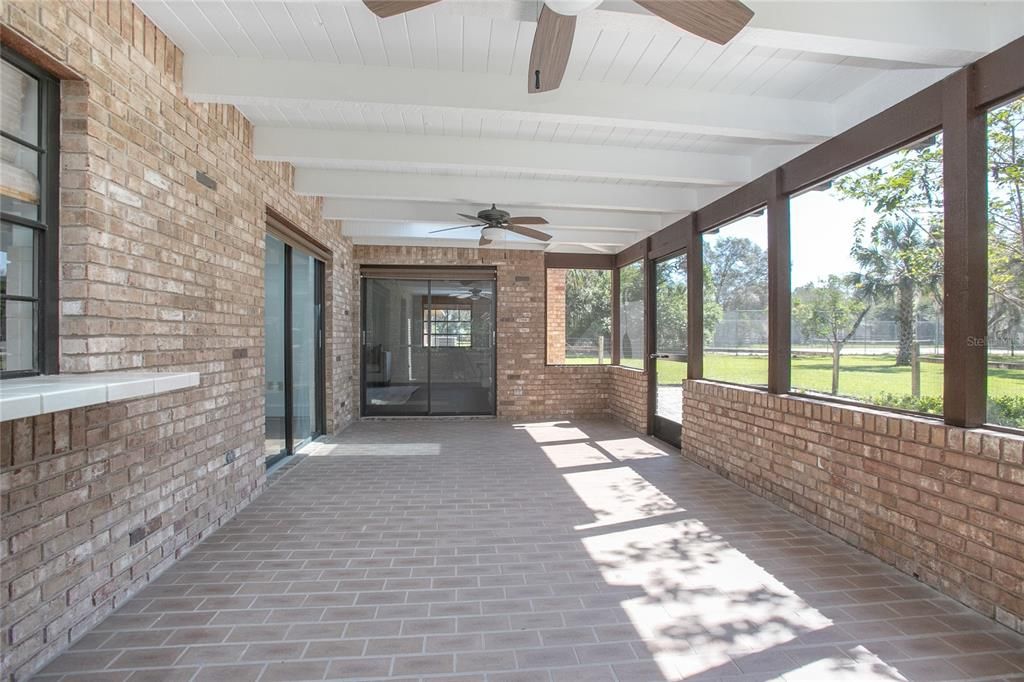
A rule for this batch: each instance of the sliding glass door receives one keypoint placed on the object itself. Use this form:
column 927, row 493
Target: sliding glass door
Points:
column 428, row 345
column 294, row 359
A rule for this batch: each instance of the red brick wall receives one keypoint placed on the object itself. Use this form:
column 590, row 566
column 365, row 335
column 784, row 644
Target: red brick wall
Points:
column 157, row 272
column 627, row 397
column 556, row 316
column 526, row 386
column 942, row 503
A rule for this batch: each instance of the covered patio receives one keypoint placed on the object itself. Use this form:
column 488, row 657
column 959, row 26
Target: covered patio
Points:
column 487, row 550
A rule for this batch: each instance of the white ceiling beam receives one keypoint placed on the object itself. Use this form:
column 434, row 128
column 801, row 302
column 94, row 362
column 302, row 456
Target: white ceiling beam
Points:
column 444, row 215
column 468, row 190
column 341, row 149
column 247, row 81
column 361, row 231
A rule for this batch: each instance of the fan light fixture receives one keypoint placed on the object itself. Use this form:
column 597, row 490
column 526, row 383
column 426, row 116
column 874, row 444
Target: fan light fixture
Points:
column 492, row 233
column 572, row 8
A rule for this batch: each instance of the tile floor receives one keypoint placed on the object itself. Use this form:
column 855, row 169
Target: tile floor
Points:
column 564, row 551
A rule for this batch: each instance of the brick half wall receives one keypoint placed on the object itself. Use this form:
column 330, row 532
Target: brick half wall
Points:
column 941, row 503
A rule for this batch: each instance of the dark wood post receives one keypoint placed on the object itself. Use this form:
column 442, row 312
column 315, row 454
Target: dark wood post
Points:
column 695, row 302
column 779, row 287
column 616, row 317
column 965, row 300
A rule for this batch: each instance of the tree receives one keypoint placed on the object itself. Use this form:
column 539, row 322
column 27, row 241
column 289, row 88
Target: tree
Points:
column 900, row 253
column 738, row 271
column 831, row 309
column 588, row 310
column 1006, row 224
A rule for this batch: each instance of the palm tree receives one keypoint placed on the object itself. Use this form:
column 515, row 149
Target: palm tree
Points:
column 900, row 261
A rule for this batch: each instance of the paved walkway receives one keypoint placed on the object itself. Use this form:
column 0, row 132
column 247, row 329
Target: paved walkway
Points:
column 490, row 551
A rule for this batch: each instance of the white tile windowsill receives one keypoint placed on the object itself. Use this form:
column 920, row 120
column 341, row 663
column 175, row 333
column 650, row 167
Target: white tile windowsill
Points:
column 31, row 396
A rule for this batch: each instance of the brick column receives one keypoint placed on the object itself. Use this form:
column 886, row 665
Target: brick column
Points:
column 555, row 317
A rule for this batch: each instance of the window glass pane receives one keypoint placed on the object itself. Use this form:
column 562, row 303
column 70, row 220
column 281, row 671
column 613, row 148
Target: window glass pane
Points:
column 1006, row 265
column 867, row 266
column 17, row 335
column 304, row 348
column 736, row 302
column 17, row 260
column 274, row 349
column 579, row 309
column 19, row 103
column 631, row 315
column 19, row 180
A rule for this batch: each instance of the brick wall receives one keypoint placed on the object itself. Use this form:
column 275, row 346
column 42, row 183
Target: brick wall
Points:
column 556, row 316
column 157, row 272
column 526, row 386
column 627, row 397
column 938, row 502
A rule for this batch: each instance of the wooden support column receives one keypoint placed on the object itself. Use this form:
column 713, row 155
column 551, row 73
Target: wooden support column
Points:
column 695, row 302
column 616, row 318
column 965, row 207
column 779, row 289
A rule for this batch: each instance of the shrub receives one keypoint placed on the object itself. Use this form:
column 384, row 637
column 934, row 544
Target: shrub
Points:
column 1006, row 410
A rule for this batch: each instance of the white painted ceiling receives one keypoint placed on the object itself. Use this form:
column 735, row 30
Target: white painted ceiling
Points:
column 402, row 122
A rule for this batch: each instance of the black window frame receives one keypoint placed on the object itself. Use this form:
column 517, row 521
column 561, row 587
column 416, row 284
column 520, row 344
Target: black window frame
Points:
column 46, row 228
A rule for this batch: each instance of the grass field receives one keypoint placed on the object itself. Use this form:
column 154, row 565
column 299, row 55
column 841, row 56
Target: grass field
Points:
column 861, row 376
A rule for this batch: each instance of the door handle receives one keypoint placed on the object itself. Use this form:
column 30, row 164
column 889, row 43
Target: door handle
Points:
column 655, row 356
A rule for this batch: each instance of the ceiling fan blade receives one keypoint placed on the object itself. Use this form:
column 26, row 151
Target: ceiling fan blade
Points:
column 527, row 220
column 470, row 218
column 389, row 8
column 529, row 232
column 484, row 241
column 456, row 227
column 716, row 20
column 550, row 54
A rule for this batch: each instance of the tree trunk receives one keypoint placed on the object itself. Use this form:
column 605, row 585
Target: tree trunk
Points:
column 837, row 349
column 905, row 322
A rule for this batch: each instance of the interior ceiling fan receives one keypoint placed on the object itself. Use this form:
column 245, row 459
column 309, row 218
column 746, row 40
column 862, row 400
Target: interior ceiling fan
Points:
column 493, row 219
column 473, row 294
column 716, row 20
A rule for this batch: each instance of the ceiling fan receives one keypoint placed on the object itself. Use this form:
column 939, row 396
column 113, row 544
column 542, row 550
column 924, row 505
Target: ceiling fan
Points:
column 473, row 294
column 494, row 219
column 716, row 20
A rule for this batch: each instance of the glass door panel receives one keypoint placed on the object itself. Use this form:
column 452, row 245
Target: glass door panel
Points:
column 293, row 350
column 668, row 366
column 395, row 354
column 304, row 348
column 275, row 443
column 459, row 331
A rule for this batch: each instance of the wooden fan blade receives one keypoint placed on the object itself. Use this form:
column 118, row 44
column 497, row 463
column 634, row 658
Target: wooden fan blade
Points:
column 529, row 232
column 550, row 54
column 470, row 218
column 389, row 8
column 456, row 227
column 527, row 220
column 716, row 20
column 484, row 241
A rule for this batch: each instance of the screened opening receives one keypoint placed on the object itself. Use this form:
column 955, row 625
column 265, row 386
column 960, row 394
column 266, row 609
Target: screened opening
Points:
column 736, row 301
column 867, row 282
column 579, row 316
column 631, row 315
column 1005, row 343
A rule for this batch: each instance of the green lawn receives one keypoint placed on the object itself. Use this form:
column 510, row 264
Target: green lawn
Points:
column 861, row 376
